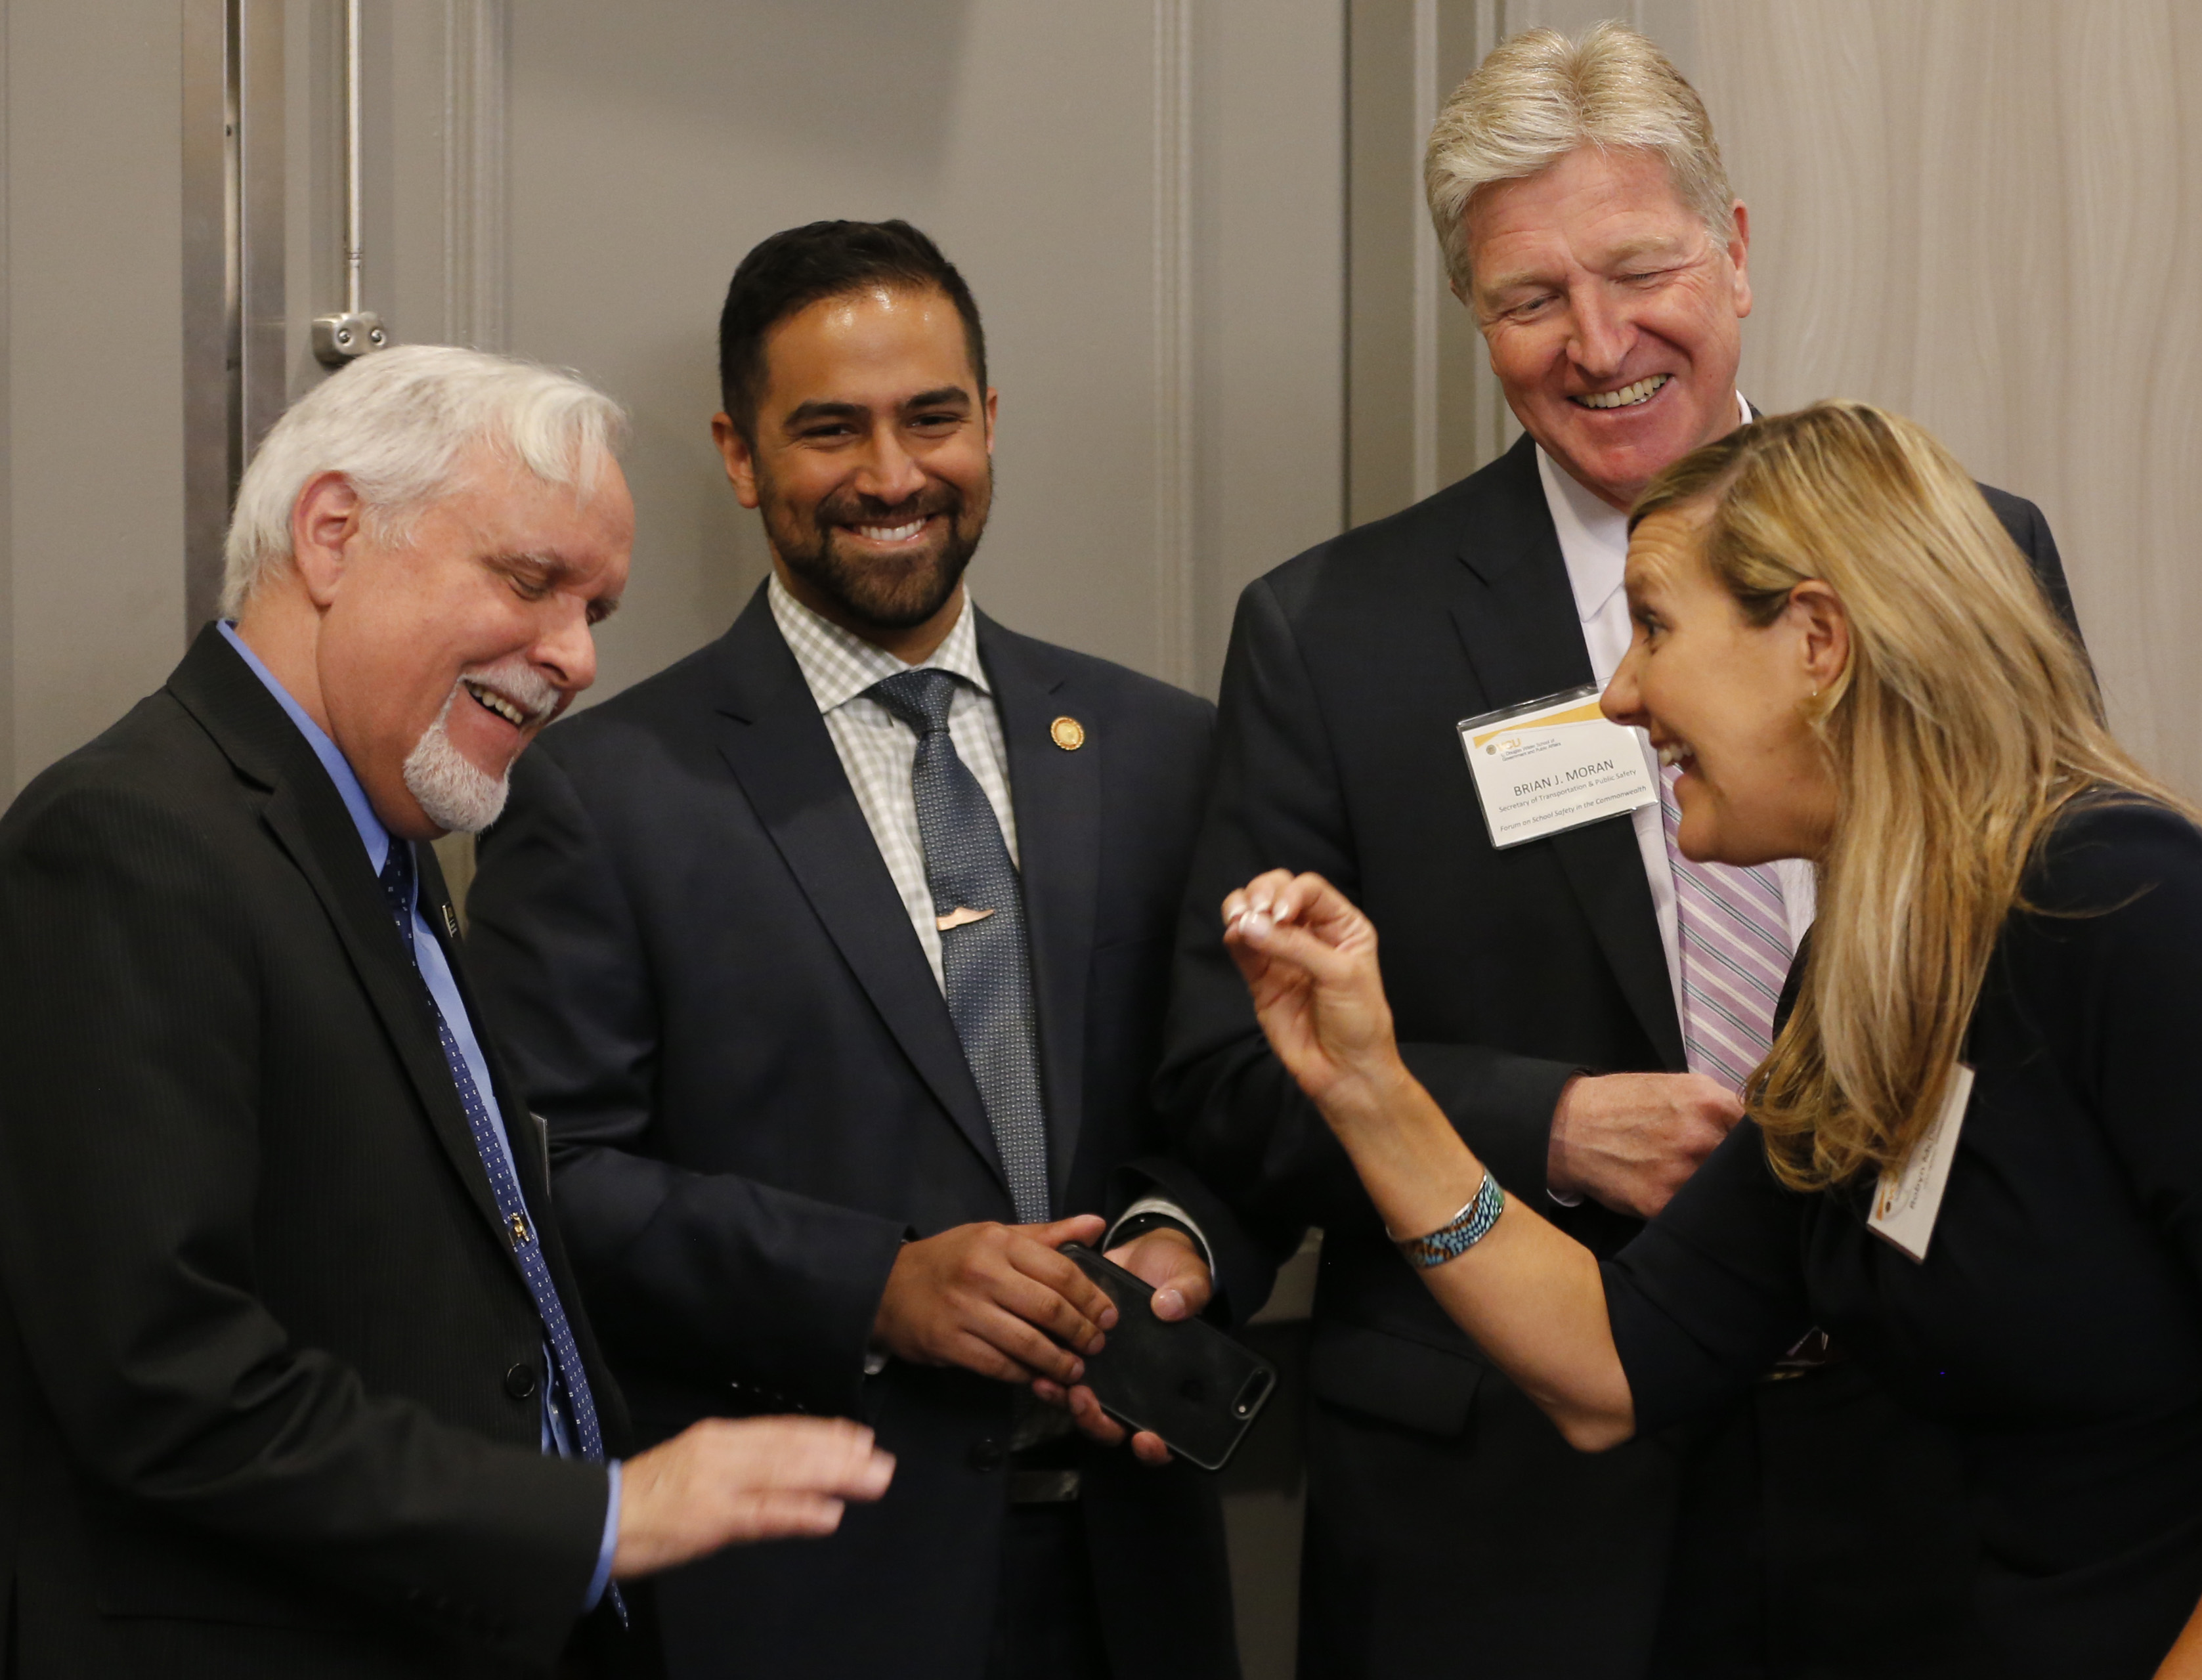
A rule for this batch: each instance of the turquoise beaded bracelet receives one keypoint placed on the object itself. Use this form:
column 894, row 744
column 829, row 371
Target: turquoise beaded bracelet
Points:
column 1459, row 1233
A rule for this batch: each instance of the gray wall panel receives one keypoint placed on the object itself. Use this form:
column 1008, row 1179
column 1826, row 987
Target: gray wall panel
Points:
column 95, row 379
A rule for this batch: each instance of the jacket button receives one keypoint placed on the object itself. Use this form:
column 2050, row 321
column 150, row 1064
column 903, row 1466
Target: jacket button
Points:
column 520, row 1381
column 987, row 1455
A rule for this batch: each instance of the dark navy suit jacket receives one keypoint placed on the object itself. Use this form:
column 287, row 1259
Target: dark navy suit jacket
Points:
column 755, row 1093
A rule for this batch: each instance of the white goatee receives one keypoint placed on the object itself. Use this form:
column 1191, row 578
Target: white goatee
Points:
column 454, row 795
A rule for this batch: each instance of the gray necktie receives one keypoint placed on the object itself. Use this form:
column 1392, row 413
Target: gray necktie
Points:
column 985, row 955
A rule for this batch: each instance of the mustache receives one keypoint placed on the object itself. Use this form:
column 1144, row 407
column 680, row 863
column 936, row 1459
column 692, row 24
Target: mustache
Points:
column 517, row 680
column 854, row 508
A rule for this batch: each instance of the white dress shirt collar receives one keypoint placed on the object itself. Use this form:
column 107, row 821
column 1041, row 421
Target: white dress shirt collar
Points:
column 1593, row 535
column 839, row 665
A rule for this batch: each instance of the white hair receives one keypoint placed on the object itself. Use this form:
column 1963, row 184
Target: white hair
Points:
column 1541, row 95
column 399, row 424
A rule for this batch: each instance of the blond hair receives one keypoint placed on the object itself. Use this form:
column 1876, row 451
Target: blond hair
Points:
column 1541, row 95
column 1966, row 719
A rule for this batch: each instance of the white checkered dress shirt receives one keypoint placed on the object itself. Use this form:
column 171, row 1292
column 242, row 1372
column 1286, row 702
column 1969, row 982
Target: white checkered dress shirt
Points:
column 878, row 749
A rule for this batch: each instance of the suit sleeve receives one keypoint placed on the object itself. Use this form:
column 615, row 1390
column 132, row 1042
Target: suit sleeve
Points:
column 2110, row 964
column 1278, row 802
column 2029, row 529
column 130, row 1146
column 1243, row 1270
column 712, row 1274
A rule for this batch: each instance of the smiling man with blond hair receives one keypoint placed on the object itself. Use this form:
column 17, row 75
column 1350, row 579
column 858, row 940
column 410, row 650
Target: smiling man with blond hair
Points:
column 1585, row 1006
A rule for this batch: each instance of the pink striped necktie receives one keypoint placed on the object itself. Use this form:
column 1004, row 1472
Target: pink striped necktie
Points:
column 1734, row 935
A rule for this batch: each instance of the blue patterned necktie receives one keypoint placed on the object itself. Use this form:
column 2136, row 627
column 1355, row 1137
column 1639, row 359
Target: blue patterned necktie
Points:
column 570, row 1380
column 985, row 953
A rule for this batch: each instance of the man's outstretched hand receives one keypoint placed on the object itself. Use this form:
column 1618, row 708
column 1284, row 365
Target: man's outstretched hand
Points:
column 1169, row 1261
column 726, row 1480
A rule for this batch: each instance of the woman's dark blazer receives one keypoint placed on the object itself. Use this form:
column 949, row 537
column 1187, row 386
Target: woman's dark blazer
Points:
column 2055, row 1327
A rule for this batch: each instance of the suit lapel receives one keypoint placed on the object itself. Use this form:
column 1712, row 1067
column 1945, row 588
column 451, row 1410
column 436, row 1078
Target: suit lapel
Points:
column 307, row 817
column 1516, row 616
column 1057, row 795
column 771, row 735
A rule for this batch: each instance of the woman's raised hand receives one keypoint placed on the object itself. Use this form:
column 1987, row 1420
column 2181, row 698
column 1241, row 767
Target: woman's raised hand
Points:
column 1309, row 959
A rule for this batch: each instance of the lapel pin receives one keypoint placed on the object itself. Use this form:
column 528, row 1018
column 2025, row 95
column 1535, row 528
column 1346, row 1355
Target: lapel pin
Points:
column 1066, row 733
column 961, row 916
column 451, row 922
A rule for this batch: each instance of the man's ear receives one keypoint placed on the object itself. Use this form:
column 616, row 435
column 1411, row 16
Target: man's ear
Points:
column 740, row 457
column 993, row 406
column 1823, row 627
column 325, row 521
column 1739, row 254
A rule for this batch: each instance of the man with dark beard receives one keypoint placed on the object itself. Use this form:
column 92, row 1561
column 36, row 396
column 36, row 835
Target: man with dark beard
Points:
column 835, row 956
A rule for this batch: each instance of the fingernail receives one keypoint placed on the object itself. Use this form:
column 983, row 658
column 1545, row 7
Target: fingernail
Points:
column 1077, row 1369
column 1169, row 1304
column 1259, row 904
column 1107, row 1321
column 1257, row 925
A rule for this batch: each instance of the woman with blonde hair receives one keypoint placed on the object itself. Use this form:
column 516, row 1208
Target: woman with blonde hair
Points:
column 1974, row 1154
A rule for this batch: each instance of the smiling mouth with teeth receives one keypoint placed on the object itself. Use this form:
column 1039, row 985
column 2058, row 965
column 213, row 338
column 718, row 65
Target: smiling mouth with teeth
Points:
column 1674, row 752
column 890, row 534
column 1628, row 396
column 493, row 701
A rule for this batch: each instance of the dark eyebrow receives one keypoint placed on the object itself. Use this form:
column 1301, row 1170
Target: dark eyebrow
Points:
column 803, row 413
column 948, row 396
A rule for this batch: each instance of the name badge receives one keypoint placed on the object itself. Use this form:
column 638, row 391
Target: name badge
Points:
column 1548, row 766
column 1905, row 1203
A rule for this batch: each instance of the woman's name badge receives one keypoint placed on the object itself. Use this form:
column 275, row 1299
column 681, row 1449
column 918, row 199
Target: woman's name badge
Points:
column 1549, row 765
column 1905, row 1203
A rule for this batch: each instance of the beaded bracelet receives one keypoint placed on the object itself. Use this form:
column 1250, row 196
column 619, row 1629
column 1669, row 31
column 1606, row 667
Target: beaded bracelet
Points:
column 1459, row 1233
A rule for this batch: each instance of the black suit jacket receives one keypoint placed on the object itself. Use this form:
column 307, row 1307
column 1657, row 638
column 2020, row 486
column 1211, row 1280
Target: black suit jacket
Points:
column 754, row 1093
column 1508, row 972
column 264, row 1346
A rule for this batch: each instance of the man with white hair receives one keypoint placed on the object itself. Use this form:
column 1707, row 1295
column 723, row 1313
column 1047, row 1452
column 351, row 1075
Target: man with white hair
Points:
column 293, row 1374
column 1585, row 1005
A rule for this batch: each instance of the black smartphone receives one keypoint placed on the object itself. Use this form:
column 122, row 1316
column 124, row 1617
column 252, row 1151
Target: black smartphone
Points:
column 1188, row 1382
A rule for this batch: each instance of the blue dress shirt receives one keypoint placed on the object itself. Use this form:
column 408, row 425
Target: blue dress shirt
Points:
column 429, row 955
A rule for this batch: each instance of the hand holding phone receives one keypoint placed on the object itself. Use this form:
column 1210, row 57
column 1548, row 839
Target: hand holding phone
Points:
column 1184, row 1382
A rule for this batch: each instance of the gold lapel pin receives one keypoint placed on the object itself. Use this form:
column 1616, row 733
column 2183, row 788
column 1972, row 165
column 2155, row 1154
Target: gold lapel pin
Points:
column 961, row 916
column 1066, row 733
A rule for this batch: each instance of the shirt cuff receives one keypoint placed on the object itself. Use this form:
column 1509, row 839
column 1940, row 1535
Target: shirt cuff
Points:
column 610, row 1544
column 1164, row 1206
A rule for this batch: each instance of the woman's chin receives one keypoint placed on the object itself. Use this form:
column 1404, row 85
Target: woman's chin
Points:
column 1701, row 841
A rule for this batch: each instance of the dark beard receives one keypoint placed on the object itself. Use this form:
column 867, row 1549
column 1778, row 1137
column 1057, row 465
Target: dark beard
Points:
column 883, row 594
